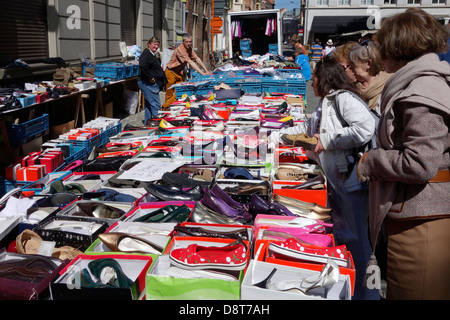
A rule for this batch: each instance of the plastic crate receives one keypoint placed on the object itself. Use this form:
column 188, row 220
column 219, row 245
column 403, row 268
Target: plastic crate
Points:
column 128, row 71
column 109, row 70
column 294, row 86
column 135, row 70
column 245, row 44
column 273, row 48
column 191, row 89
column 246, row 53
column 27, row 99
column 249, row 86
column 88, row 144
column 109, row 133
column 19, row 133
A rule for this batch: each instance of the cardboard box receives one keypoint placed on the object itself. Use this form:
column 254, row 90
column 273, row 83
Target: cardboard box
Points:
column 158, row 233
column 56, row 131
column 258, row 271
column 163, row 287
column 135, row 267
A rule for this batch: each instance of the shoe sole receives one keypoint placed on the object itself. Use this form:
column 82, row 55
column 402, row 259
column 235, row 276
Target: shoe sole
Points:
column 201, row 266
column 306, row 256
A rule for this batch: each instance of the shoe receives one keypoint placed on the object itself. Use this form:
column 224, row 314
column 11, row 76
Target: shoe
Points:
column 165, row 194
column 123, row 242
column 230, row 257
column 219, row 201
column 318, row 182
column 29, row 242
column 322, row 240
column 202, row 232
column 239, row 173
column 203, row 214
column 184, row 180
column 250, row 188
column 98, row 210
column 166, row 214
column 304, row 209
column 258, row 205
column 291, row 174
column 293, row 249
column 324, row 280
column 300, row 140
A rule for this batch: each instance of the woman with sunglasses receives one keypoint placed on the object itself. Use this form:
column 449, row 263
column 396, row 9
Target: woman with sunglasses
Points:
column 366, row 64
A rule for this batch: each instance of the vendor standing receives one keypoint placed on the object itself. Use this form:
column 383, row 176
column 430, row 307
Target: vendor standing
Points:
column 182, row 55
column 151, row 79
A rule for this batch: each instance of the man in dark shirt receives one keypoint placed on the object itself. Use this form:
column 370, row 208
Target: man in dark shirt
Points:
column 151, row 79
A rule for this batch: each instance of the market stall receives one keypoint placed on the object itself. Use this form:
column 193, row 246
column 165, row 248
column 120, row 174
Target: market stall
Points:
column 195, row 204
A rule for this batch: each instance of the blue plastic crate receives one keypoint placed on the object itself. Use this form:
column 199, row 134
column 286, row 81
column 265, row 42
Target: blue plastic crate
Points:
column 273, row 48
column 246, row 44
column 254, row 86
column 88, row 144
column 135, row 70
column 246, row 53
column 20, row 133
column 192, row 89
column 110, row 70
column 110, row 132
column 294, row 86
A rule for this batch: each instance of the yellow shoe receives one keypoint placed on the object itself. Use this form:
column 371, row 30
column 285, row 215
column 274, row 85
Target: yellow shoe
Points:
column 286, row 119
column 164, row 124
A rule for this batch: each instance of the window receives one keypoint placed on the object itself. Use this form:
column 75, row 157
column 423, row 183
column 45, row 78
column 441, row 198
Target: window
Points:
column 366, row 2
column 128, row 22
column 322, row 2
column 343, row 2
column 23, row 25
column 438, row 2
column 390, row 1
column 413, row 1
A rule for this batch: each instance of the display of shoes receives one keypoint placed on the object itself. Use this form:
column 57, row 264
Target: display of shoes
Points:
column 199, row 192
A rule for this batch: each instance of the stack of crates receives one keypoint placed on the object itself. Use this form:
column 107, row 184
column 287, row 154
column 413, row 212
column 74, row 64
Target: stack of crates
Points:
column 246, row 47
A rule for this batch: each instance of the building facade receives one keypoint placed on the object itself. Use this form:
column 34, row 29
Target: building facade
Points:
column 323, row 19
column 33, row 30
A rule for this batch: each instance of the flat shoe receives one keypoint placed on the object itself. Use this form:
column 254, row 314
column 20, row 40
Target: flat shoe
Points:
column 230, row 257
column 122, row 242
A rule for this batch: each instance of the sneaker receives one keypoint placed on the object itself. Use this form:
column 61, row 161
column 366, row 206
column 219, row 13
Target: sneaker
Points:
column 230, row 257
column 294, row 249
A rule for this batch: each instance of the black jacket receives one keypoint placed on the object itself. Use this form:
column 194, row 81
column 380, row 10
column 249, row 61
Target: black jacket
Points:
column 150, row 67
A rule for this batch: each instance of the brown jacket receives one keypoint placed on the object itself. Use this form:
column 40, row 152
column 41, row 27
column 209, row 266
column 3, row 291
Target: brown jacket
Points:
column 414, row 143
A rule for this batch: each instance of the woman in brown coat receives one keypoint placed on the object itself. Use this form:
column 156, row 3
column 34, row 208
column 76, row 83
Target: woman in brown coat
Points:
column 409, row 172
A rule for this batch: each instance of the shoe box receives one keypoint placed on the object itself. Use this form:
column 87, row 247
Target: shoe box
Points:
column 161, row 287
column 258, row 271
column 133, row 266
column 158, row 233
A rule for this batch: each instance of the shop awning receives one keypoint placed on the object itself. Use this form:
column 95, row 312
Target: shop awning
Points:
column 338, row 24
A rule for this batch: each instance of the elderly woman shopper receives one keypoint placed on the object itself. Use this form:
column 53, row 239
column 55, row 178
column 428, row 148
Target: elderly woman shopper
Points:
column 365, row 62
column 409, row 171
column 340, row 54
column 341, row 123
